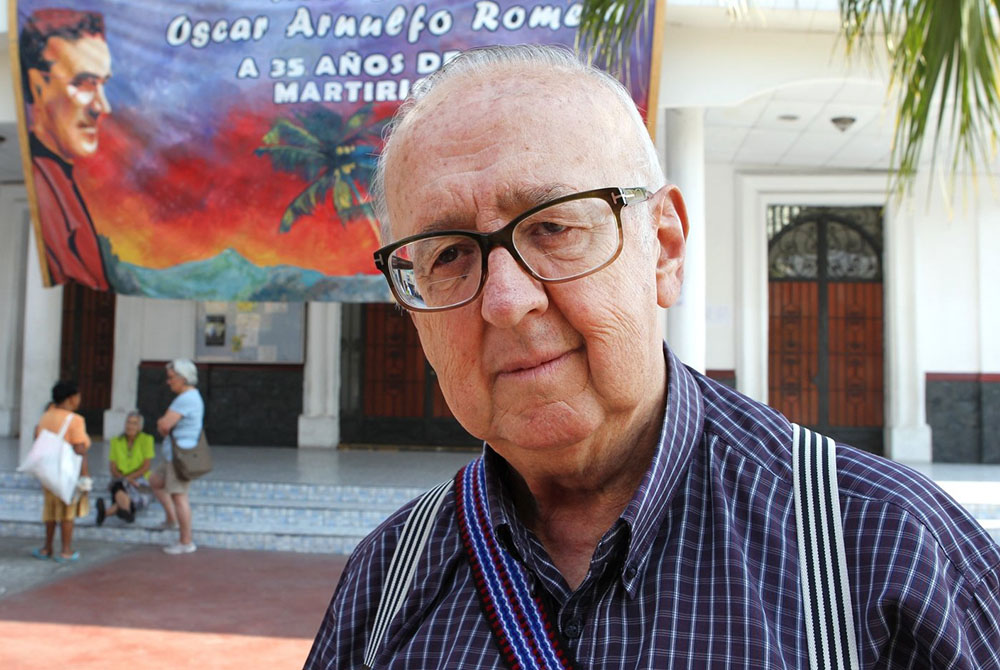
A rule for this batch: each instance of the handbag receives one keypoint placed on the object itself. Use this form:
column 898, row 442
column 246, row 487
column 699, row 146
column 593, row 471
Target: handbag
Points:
column 192, row 463
column 54, row 462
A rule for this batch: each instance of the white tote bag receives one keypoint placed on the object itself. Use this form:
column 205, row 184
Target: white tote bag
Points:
column 53, row 461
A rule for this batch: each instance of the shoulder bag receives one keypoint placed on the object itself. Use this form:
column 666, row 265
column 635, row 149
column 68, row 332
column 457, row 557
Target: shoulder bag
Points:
column 191, row 463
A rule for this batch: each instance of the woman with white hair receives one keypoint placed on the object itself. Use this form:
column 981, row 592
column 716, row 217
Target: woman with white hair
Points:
column 180, row 427
column 129, row 461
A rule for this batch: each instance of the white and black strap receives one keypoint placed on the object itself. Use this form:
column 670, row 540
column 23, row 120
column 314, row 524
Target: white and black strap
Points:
column 823, row 576
column 403, row 565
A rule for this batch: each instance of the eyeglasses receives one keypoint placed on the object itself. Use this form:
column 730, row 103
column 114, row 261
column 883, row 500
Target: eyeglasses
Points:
column 558, row 241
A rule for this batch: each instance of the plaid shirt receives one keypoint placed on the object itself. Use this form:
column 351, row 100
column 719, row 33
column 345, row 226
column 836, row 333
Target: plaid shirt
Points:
column 701, row 569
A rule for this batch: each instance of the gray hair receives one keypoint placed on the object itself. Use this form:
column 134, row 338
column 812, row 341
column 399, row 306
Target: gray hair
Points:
column 483, row 63
column 136, row 414
column 185, row 369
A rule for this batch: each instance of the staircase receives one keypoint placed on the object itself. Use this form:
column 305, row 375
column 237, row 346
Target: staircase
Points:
column 310, row 518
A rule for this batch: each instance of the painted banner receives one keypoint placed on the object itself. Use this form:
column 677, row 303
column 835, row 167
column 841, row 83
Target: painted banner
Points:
column 223, row 150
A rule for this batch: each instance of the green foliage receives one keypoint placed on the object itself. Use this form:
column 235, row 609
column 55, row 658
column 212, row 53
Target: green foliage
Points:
column 607, row 29
column 334, row 155
column 944, row 60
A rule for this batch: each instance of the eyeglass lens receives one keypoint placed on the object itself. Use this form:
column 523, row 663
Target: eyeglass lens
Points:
column 559, row 242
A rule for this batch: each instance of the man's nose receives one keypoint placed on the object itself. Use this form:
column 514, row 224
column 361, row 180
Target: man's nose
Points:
column 509, row 293
column 100, row 104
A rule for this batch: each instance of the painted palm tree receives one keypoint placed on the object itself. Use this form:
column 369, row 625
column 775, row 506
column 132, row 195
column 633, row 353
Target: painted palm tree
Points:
column 944, row 55
column 336, row 156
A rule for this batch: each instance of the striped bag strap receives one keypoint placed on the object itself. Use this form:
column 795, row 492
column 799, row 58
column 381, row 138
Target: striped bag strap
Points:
column 521, row 626
column 403, row 565
column 826, row 594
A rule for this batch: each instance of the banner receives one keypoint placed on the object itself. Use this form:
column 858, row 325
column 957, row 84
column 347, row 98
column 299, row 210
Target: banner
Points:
column 223, row 150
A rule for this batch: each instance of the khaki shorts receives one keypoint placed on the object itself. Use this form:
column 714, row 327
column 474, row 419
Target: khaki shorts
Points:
column 54, row 509
column 173, row 485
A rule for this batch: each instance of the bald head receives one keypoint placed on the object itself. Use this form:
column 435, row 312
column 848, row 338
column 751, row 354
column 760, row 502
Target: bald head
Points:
column 484, row 91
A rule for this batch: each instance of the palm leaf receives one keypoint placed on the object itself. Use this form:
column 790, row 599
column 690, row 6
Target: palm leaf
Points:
column 305, row 202
column 285, row 132
column 606, row 32
column 944, row 59
column 305, row 162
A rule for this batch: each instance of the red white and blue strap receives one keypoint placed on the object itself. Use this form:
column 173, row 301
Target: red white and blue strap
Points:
column 520, row 625
column 826, row 593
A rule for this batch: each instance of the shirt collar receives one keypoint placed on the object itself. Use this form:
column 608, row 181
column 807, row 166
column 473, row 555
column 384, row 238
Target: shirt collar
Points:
column 683, row 421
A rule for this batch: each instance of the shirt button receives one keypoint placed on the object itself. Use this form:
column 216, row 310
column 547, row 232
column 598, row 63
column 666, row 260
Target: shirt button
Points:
column 630, row 572
column 572, row 629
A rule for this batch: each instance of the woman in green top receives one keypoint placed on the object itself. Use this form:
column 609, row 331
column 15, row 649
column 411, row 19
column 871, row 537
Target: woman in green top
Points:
column 131, row 455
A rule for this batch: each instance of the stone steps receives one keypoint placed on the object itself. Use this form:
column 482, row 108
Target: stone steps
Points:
column 227, row 514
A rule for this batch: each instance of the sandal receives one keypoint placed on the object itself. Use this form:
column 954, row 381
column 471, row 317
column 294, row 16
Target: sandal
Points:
column 75, row 556
column 101, row 513
column 40, row 555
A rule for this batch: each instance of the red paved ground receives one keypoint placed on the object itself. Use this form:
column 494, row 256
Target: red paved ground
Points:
column 210, row 610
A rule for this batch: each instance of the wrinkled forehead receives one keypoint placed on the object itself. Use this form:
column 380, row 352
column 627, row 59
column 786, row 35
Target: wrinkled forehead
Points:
column 519, row 127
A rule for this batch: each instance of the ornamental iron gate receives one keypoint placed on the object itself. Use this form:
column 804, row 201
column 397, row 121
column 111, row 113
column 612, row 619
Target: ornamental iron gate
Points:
column 825, row 312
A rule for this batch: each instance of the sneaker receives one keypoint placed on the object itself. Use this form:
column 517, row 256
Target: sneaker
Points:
column 180, row 548
column 101, row 513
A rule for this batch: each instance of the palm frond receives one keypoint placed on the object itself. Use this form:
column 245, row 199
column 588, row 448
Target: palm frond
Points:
column 305, row 202
column 607, row 30
column 305, row 162
column 944, row 59
column 285, row 132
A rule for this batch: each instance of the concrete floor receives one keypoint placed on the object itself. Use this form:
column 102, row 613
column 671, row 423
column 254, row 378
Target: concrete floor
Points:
column 136, row 607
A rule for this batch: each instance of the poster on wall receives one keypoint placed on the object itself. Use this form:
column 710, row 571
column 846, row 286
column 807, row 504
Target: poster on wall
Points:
column 250, row 332
column 222, row 151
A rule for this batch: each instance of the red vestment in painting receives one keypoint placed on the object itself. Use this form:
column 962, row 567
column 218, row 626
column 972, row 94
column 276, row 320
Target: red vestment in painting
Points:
column 71, row 247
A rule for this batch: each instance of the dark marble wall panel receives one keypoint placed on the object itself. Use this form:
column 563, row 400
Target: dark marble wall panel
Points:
column 247, row 405
column 963, row 411
column 727, row 377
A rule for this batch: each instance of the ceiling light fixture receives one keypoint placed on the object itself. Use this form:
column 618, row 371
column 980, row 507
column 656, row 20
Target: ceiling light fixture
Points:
column 842, row 123
column 788, row 117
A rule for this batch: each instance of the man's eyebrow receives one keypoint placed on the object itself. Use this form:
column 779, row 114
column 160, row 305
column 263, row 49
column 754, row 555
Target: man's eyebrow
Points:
column 514, row 200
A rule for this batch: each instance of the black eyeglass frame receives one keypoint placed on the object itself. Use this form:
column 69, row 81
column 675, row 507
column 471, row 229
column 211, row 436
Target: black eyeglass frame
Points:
column 617, row 197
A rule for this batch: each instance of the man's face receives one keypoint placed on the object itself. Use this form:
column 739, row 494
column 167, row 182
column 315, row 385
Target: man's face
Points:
column 132, row 426
column 528, row 366
column 69, row 99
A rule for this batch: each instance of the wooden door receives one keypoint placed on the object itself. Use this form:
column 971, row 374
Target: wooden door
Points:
column 87, row 353
column 825, row 336
column 392, row 395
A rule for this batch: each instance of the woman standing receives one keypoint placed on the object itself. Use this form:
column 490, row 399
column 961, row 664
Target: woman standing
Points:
column 129, row 461
column 65, row 402
column 180, row 427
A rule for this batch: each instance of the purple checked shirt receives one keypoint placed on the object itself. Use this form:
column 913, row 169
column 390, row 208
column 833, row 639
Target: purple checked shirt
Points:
column 701, row 569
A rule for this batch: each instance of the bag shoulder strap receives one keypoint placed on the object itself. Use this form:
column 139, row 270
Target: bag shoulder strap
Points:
column 826, row 593
column 65, row 426
column 403, row 565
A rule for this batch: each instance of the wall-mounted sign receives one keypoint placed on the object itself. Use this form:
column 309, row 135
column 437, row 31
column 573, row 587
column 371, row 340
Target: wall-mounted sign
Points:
column 250, row 332
column 223, row 150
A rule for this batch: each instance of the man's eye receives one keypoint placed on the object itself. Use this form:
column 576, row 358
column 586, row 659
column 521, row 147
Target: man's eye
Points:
column 550, row 228
column 448, row 255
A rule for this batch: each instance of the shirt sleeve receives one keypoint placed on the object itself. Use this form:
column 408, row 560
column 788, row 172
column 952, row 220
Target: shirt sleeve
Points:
column 146, row 444
column 77, row 432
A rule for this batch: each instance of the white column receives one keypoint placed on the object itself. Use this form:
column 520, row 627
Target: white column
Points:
column 684, row 142
column 319, row 424
column 13, row 268
column 907, row 434
column 42, row 338
column 125, row 368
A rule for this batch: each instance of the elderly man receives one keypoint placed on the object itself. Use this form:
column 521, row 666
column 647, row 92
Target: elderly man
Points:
column 65, row 64
column 626, row 512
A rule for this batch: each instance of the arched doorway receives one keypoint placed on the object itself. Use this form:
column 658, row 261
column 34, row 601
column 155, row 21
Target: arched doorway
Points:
column 826, row 320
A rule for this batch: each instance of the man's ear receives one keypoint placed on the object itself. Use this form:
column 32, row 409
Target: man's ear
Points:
column 671, row 227
column 37, row 80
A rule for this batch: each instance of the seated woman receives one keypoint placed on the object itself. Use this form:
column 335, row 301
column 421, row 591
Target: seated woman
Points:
column 131, row 455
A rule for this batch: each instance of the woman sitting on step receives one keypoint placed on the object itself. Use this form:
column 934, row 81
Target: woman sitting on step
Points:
column 131, row 455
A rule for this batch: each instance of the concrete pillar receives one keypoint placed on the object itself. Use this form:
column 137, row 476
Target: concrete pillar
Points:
column 907, row 435
column 129, row 320
column 13, row 267
column 42, row 338
column 684, row 144
column 319, row 424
